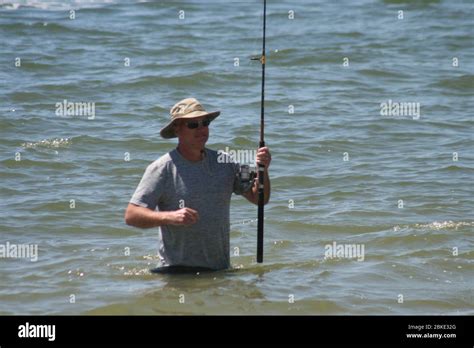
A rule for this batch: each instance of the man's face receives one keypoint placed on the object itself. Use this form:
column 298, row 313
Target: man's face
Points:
column 196, row 137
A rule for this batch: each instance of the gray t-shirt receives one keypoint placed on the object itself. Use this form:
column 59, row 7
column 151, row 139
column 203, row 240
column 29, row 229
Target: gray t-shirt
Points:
column 173, row 182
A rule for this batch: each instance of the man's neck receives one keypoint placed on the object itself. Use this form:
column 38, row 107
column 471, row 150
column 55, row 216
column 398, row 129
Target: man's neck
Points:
column 191, row 154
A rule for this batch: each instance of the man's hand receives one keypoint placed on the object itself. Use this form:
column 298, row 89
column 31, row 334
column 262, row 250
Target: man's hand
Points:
column 184, row 216
column 264, row 157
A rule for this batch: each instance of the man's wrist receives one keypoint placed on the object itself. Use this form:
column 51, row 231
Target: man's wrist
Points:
column 166, row 218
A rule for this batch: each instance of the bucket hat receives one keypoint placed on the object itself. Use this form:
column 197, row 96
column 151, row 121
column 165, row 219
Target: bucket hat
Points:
column 186, row 108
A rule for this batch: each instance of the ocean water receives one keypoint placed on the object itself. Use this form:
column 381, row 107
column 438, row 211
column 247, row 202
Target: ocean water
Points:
column 343, row 171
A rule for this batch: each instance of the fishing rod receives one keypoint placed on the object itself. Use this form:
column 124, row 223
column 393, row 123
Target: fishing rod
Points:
column 261, row 167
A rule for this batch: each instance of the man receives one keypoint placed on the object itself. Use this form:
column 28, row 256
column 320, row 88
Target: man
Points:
column 192, row 192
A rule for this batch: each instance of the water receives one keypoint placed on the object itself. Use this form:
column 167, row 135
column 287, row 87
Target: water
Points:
column 65, row 180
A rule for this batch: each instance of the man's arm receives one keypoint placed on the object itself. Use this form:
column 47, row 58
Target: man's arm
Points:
column 252, row 194
column 146, row 218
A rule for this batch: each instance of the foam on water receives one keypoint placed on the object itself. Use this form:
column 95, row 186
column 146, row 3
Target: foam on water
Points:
column 48, row 143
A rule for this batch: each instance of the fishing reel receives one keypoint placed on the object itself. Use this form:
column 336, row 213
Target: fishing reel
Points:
column 247, row 177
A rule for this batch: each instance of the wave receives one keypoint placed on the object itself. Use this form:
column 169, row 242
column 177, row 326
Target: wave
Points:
column 22, row 97
column 451, row 168
column 352, row 34
column 54, row 5
column 55, row 28
column 27, row 163
column 464, row 82
column 382, row 73
column 412, row 2
column 188, row 81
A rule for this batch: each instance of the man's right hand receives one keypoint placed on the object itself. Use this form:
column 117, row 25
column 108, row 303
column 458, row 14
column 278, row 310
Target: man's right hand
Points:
column 184, row 216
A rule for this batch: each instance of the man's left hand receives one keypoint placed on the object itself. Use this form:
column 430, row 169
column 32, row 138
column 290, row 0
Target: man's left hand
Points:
column 264, row 157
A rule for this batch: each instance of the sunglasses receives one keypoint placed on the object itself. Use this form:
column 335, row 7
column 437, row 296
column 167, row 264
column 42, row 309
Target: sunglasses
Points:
column 195, row 124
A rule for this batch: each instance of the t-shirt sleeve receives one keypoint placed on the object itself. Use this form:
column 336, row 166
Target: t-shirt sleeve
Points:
column 151, row 187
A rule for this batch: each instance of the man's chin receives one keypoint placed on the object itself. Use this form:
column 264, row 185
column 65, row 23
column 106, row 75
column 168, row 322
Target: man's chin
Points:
column 199, row 145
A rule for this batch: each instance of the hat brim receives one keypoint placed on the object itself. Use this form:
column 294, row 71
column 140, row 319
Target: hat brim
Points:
column 167, row 131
